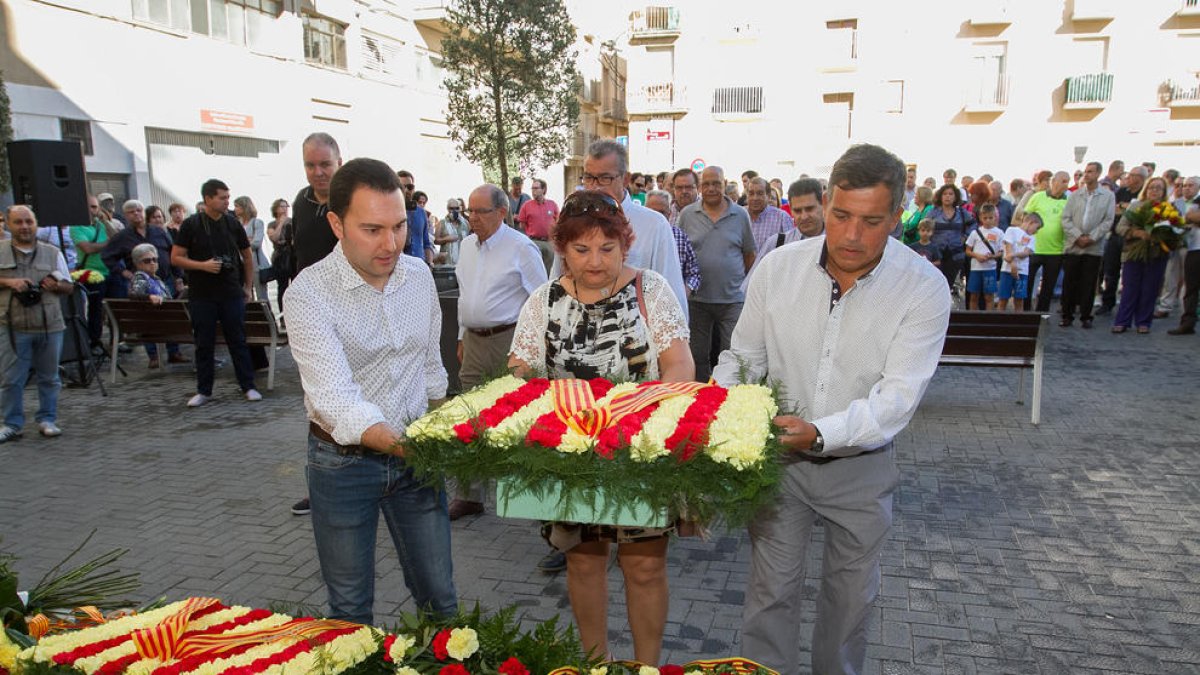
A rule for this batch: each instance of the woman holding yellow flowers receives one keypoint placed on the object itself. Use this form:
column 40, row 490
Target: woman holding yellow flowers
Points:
column 1151, row 229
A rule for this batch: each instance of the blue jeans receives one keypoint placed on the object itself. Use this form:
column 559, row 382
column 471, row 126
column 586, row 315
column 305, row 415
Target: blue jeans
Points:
column 41, row 352
column 347, row 493
column 231, row 312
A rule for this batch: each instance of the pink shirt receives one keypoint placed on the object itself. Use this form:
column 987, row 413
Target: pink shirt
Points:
column 538, row 219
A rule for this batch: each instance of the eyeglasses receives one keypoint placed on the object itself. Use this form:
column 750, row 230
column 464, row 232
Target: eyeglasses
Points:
column 478, row 212
column 603, row 180
column 408, row 186
column 148, row 260
column 580, row 203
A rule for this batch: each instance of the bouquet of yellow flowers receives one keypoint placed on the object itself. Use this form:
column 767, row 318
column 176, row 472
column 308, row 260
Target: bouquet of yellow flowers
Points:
column 1164, row 223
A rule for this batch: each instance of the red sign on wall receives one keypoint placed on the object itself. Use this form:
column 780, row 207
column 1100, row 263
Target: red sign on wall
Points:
column 658, row 135
column 216, row 120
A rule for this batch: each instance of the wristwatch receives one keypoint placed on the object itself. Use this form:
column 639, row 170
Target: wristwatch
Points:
column 818, row 444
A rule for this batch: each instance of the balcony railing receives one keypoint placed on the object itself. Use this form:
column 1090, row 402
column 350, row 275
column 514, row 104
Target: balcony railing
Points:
column 1181, row 94
column 658, row 97
column 989, row 13
column 1089, row 90
column 1189, row 8
column 580, row 144
column 989, row 95
column 614, row 108
column 737, row 101
column 589, row 91
column 654, row 21
column 1093, row 10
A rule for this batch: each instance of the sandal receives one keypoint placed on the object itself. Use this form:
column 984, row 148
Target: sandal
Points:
column 1143, row 330
column 1119, row 329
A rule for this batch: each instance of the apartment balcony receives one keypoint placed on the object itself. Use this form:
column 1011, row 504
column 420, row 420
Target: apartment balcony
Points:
column 661, row 98
column 990, row 13
column 580, row 142
column 653, row 25
column 434, row 14
column 1094, row 10
column 590, row 91
column 614, row 110
column 731, row 104
column 1189, row 8
column 1180, row 94
column 1088, row 92
column 987, row 96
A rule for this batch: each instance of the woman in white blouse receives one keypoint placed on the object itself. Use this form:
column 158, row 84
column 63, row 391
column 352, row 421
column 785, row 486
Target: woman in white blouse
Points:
column 602, row 318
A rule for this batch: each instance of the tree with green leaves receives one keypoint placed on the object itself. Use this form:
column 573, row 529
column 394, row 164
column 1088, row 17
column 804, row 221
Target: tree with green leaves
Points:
column 6, row 134
column 512, row 82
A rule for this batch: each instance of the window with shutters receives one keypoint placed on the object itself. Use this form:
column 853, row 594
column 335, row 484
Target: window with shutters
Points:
column 380, row 56
column 732, row 100
column 324, row 42
column 77, row 130
column 241, row 22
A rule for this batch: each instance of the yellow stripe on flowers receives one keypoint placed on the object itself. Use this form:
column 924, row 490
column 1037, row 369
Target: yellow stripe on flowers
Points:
column 743, row 422
column 512, row 429
column 49, row 646
column 439, row 424
column 90, row 664
column 342, row 653
column 651, row 441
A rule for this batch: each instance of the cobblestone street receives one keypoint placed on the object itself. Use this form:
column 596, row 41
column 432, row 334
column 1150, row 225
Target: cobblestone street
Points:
column 1070, row 547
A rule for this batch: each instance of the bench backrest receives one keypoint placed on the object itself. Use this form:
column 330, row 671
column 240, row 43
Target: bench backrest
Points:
column 141, row 321
column 994, row 334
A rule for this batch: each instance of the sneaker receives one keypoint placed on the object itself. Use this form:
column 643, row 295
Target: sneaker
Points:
column 198, row 400
column 553, row 563
column 302, row 508
column 253, row 395
column 49, row 429
column 8, row 433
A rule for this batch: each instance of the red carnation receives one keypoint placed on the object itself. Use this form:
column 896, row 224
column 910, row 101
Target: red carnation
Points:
column 454, row 669
column 670, row 669
column 514, row 667
column 387, row 647
column 600, row 386
column 439, row 645
column 465, row 432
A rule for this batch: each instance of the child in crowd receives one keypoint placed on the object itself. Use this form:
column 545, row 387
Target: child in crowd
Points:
column 984, row 249
column 1014, row 276
column 925, row 246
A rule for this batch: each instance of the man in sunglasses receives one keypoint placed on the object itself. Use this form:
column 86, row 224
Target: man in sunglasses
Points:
column 419, row 245
column 653, row 247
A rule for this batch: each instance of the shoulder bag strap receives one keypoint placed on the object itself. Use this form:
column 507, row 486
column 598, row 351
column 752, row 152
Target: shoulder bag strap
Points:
column 641, row 298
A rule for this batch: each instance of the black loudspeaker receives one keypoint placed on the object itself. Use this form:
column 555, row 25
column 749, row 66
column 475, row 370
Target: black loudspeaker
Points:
column 48, row 177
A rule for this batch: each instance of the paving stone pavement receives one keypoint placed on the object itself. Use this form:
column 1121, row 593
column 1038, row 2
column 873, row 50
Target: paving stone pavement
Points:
column 1070, row 547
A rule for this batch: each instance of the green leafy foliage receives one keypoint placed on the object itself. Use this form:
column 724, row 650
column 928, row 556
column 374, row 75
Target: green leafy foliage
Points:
column 511, row 82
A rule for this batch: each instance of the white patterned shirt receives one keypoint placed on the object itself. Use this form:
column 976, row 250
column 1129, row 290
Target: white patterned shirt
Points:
column 365, row 356
column 856, row 370
column 495, row 278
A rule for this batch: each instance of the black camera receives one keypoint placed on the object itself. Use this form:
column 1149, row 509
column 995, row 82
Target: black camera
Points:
column 30, row 296
column 226, row 263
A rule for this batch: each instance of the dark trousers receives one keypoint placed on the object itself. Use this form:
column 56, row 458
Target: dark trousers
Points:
column 1143, row 280
column 1050, row 265
column 231, row 312
column 1111, row 270
column 1079, row 285
column 710, row 324
column 281, row 285
column 952, row 264
column 95, row 312
column 1191, row 285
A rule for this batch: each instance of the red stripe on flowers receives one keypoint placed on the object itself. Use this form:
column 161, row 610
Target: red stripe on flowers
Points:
column 118, row 665
column 84, row 651
column 502, row 409
column 285, row 655
column 620, row 434
column 692, row 432
column 548, row 430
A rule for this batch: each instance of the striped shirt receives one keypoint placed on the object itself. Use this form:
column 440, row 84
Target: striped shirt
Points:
column 769, row 224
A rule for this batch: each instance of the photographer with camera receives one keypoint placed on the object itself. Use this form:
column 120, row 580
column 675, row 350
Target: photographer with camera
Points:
column 33, row 275
column 212, row 247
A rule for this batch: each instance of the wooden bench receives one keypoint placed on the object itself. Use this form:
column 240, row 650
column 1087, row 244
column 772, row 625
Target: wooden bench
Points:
column 138, row 321
column 999, row 340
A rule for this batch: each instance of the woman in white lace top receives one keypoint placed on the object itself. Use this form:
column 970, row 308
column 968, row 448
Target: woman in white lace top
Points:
column 602, row 318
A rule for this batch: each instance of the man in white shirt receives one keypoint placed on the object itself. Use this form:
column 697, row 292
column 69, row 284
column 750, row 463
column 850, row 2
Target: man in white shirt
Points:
column 498, row 268
column 653, row 247
column 1191, row 263
column 851, row 324
column 364, row 325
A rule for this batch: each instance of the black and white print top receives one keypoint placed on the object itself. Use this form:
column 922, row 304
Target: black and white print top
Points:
column 567, row 338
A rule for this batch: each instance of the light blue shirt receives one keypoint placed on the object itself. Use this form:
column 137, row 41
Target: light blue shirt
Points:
column 495, row 278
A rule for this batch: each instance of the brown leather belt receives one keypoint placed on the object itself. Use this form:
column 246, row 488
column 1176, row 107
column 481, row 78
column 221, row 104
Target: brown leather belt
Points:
column 316, row 430
column 495, row 330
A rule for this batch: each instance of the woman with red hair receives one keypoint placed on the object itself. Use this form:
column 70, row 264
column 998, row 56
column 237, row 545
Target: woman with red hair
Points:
column 603, row 318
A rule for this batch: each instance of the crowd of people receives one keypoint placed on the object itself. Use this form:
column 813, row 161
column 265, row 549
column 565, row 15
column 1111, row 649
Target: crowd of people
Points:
column 824, row 287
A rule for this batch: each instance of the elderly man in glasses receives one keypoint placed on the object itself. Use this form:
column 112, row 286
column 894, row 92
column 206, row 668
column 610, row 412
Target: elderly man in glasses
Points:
column 653, row 247
column 498, row 267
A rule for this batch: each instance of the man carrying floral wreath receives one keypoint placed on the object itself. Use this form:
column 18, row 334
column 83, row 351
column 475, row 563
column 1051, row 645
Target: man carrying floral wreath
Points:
column 851, row 324
column 364, row 325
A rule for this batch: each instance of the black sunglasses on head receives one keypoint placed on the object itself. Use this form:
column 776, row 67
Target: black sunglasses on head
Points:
column 586, row 201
